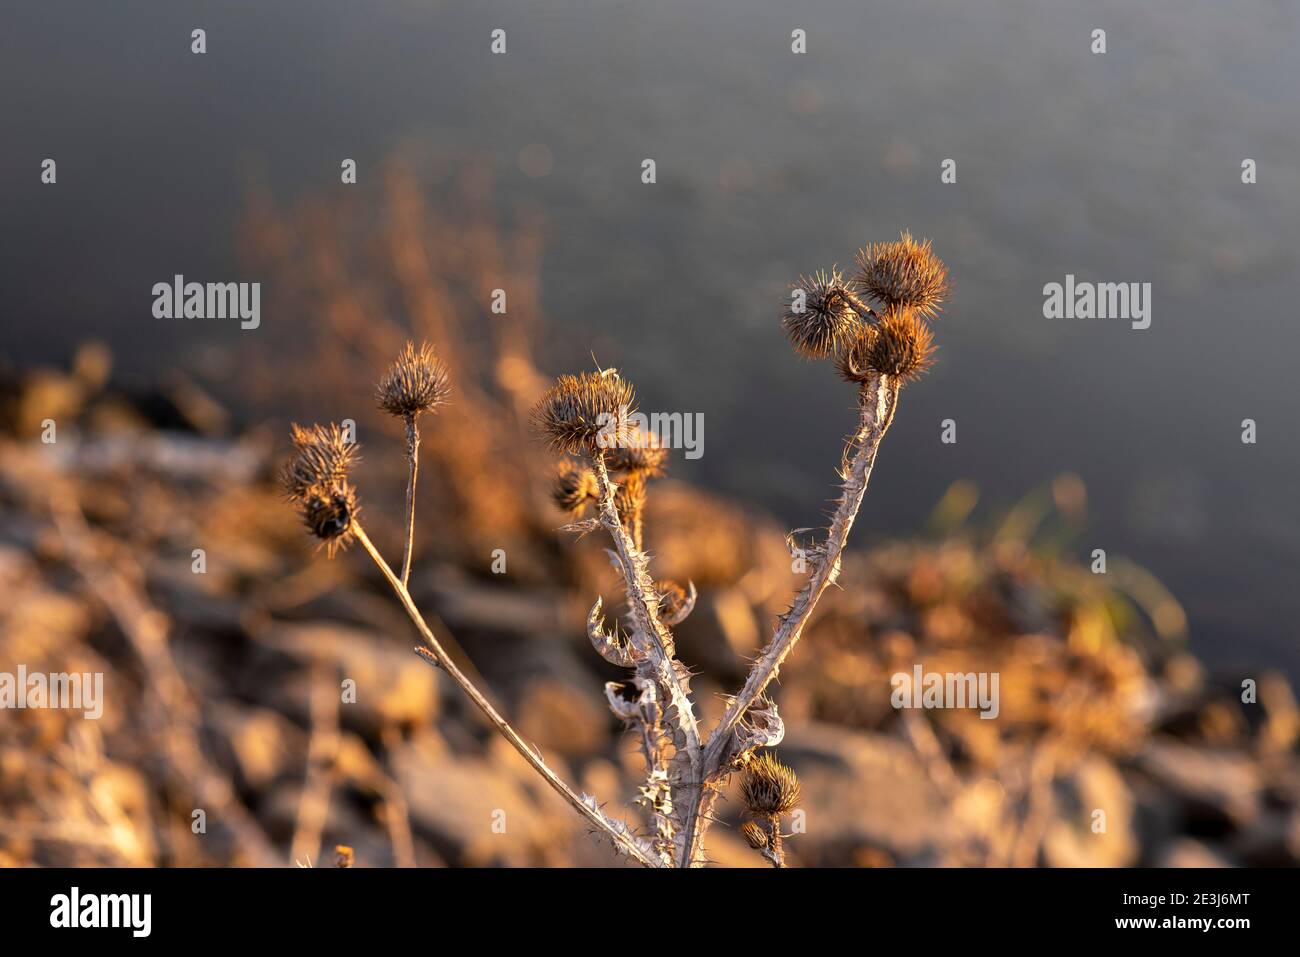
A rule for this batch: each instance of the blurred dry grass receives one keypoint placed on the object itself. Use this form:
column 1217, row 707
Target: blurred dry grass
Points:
column 222, row 688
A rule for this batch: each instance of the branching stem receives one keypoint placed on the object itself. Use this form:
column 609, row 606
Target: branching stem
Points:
column 435, row 654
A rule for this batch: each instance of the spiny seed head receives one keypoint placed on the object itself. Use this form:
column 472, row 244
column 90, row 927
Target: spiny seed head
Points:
column 754, row 835
column 316, row 479
column 322, row 457
column 902, row 345
column 329, row 514
column 417, row 382
column 582, row 413
column 820, row 320
column 641, row 453
column 903, row 273
column 574, row 487
column 769, row 788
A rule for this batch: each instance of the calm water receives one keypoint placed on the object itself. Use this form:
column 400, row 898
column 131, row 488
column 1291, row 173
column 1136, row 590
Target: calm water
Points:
column 1120, row 167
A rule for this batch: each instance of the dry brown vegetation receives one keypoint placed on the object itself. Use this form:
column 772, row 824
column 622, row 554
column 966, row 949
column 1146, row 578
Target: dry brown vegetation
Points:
column 222, row 688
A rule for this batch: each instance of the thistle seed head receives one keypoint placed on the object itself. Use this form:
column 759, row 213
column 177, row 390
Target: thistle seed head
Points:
column 641, row 453
column 754, row 835
column 322, row 457
column 769, row 788
column 824, row 320
column 329, row 514
column 316, row 480
column 575, row 486
column 581, row 411
column 903, row 273
column 417, row 382
column 902, row 346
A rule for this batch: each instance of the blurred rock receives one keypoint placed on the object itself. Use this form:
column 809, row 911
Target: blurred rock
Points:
column 484, row 810
column 1211, row 787
column 1072, row 838
column 261, row 745
column 864, row 790
column 1186, row 852
column 393, row 685
column 722, row 633
column 562, row 718
column 1270, row 840
column 464, row 602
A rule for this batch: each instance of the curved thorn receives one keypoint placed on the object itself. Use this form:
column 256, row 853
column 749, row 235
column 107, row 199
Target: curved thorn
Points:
column 687, row 606
column 610, row 648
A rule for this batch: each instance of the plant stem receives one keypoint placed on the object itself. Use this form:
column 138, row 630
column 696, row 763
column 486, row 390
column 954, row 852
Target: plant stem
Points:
column 645, row 603
column 877, row 404
column 655, row 643
column 413, row 460
column 864, row 311
column 436, row 655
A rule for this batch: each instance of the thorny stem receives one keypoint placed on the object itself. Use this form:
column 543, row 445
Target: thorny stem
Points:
column 413, row 460
column 644, row 604
column 878, row 402
column 437, row 656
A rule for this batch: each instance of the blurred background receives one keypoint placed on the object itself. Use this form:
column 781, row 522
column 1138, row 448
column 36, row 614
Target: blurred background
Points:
column 522, row 171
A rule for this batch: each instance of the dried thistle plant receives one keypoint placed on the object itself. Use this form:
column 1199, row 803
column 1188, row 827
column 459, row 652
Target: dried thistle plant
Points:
column 770, row 790
column 416, row 383
column 903, row 273
column 610, row 465
column 316, row 481
column 316, row 478
column 820, row 317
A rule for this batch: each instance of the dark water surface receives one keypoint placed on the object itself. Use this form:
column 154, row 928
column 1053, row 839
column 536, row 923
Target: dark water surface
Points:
column 1122, row 167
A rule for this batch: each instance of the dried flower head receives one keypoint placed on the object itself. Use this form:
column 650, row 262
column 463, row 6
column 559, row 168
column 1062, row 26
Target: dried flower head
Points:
column 575, row 486
column 322, row 457
column 329, row 514
column 820, row 320
column 417, row 382
column 316, row 478
column 754, row 835
column 640, row 453
column 903, row 273
column 769, row 788
column 586, row 412
column 902, row 345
